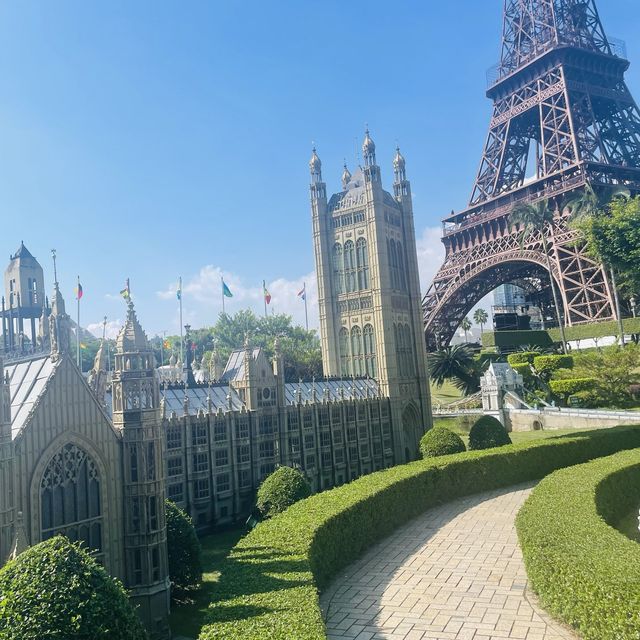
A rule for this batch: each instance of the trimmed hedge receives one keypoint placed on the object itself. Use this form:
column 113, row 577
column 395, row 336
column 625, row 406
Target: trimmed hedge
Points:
column 571, row 386
column 585, row 571
column 439, row 441
column 547, row 365
column 521, row 357
column 282, row 488
column 524, row 370
column 269, row 583
column 488, row 433
column 516, row 339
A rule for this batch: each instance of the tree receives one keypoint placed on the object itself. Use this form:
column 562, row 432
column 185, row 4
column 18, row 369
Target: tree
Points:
column 466, row 327
column 488, row 433
column 457, row 364
column 57, row 590
column 587, row 208
column 481, row 317
column 284, row 487
column 538, row 218
column 184, row 550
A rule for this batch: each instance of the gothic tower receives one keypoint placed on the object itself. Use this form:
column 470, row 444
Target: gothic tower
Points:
column 7, row 494
column 369, row 290
column 136, row 414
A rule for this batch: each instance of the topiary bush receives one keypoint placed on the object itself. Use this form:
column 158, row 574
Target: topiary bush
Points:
column 488, row 433
column 571, row 387
column 184, row 550
column 546, row 366
column 583, row 569
column 522, row 357
column 57, row 590
column 440, row 442
column 284, row 487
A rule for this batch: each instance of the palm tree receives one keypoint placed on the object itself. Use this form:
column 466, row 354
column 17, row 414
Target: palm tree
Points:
column 465, row 325
column 589, row 203
column 458, row 365
column 532, row 218
column 481, row 317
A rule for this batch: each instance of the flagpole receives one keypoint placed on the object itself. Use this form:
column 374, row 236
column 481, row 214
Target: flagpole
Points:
column 222, row 290
column 181, row 339
column 264, row 297
column 78, row 329
column 306, row 314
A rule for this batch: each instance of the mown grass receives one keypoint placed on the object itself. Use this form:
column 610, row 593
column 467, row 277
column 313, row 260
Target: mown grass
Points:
column 188, row 618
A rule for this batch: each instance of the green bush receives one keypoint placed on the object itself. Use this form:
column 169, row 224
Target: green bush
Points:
column 184, row 550
column 488, row 433
column 524, row 370
column 521, row 357
column 571, row 386
column 269, row 583
column 284, row 487
column 440, row 442
column 586, row 572
column 546, row 366
column 57, row 590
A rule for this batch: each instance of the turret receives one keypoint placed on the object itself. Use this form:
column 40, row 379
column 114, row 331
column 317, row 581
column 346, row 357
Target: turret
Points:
column 7, row 493
column 318, row 188
column 59, row 326
column 137, row 416
column 371, row 169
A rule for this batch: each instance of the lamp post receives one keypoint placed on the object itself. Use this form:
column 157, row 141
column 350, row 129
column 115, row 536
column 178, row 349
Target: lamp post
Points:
column 632, row 302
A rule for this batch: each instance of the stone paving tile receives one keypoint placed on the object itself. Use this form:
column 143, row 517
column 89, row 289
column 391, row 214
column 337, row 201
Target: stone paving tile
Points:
column 454, row 573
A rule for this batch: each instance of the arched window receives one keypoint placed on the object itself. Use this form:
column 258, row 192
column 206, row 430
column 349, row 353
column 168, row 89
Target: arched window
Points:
column 70, row 502
column 338, row 269
column 402, row 279
column 345, row 359
column 393, row 264
column 356, row 351
column 408, row 345
column 362, row 258
column 369, row 351
column 397, row 332
column 350, row 266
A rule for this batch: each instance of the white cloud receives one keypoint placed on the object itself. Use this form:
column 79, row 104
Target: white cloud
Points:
column 112, row 329
column 430, row 255
column 202, row 297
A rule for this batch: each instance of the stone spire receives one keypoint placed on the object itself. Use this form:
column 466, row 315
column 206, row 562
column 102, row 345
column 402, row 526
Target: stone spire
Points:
column 131, row 337
column 399, row 166
column 346, row 177
column 318, row 188
column 368, row 149
column 98, row 375
column 59, row 326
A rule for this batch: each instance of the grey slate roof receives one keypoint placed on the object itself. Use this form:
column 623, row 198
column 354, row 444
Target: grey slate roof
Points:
column 235, row 365
column 27, row 382
column 333, row 389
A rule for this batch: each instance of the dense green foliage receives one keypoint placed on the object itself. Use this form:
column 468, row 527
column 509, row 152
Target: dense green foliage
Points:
column 183, row 546
column 488, row 433
column 586, row 572
column 284, row 487
column 546, row 366
column 300, row 348
column 522, row 357
column 571, row 386
column 268, row 586
column 440, row 442
column 56, row 590
column 514, row 339
column 525, row 371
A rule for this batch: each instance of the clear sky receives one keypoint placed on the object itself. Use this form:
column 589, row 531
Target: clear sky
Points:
column 154, row 139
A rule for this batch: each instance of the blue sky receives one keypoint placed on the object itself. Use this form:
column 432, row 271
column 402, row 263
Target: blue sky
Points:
column 156, row 139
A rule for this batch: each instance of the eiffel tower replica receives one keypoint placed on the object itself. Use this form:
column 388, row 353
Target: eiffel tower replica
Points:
column 563, row 118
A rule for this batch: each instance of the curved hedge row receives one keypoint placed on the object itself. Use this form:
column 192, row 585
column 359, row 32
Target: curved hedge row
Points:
column 585, row 571
column 269, row 583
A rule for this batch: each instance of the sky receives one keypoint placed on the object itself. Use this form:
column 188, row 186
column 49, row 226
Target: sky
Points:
column 156, row 139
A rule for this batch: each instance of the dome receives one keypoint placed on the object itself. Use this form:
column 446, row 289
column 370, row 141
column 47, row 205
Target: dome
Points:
column 346, row 177
column 368, row 146
column 398, row 160
column 315, row 165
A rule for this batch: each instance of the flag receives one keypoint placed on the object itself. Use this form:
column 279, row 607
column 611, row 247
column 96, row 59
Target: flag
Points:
column 79, row 292
column 226, row 292
column 83, row 345
column 166, row 344
column 303, row 293
column 267, row 295
column 126, row 292
column 194, row 346
column 179, row 290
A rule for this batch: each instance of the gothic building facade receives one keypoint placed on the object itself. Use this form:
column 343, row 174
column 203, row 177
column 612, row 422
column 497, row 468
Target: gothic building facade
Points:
column 369, row 289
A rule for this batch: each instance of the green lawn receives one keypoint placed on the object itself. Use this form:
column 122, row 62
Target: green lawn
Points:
column 446, row 394
column 187, row 619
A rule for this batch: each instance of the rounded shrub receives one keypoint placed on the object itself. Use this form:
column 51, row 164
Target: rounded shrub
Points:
column 284, row 487
column 488, row 433
column 57, row 590
column 184, row 550
column 440, row 442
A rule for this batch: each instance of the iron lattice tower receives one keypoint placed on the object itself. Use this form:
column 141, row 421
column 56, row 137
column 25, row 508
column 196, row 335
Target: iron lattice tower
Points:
column 563, row 117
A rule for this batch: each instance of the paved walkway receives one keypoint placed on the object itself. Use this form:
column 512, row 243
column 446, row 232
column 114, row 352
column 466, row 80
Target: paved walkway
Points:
column 454, row 573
